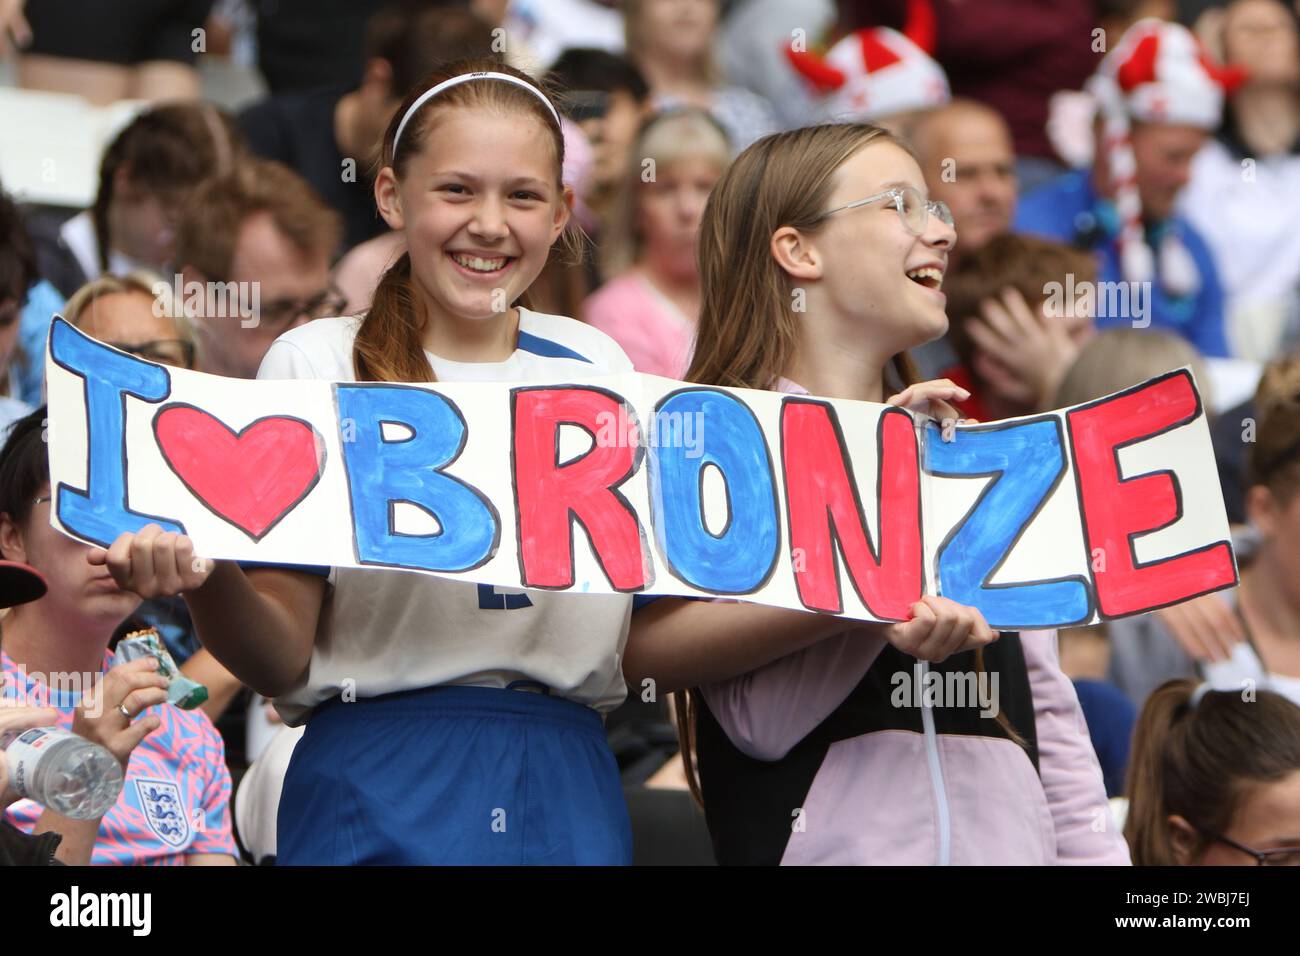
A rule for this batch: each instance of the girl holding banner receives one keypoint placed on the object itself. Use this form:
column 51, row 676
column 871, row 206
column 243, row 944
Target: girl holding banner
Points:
column 821, row 261
column 449, row 722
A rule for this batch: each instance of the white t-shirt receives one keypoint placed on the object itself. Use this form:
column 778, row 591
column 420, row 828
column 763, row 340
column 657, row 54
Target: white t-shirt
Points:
column 384, row 630
column 1247, row 216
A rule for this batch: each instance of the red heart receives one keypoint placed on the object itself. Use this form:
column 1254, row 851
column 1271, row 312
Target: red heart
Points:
column 251, row 479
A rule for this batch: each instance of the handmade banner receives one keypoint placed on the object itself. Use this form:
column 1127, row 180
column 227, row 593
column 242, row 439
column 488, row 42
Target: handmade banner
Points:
column 638, row 484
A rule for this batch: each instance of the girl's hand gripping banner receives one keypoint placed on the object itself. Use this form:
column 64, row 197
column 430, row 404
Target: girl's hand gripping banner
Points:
column 637, row 484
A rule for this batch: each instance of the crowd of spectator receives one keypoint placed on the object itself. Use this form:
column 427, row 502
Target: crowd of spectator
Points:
column 1142, row 155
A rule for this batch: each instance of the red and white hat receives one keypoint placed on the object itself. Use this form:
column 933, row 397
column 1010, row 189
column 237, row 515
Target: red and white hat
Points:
column 1157, row 73
column 872, row 74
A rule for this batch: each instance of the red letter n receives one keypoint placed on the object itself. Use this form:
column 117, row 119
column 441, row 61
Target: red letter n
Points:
column 826, row 510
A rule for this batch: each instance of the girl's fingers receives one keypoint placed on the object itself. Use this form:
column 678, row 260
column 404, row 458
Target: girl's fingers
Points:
column 1223, row 622
column 933, row 645
column 1218, row 626
column 142, row 554
column 907, row 635
column 915, row 395
column 922, row 614
column 190, row 570
column 979, row 634
column 901, row 398
column 130, row 738
column 955, row 638
column 164, row 557
column 943, row 411
column 141, row 700
column 958, row 628
column 118, row 559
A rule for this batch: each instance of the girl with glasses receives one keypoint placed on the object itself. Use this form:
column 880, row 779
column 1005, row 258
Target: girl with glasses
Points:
column 1214, row 778
column 821, row 262
column 134, row 313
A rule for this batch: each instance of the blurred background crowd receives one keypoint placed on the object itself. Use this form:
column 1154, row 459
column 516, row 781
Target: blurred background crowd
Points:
column 1124, row 177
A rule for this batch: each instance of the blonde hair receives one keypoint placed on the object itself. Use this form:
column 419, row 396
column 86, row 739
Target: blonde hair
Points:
column 664, row 139
column 1117, row 359
column 144, row 283
column 1275, row 455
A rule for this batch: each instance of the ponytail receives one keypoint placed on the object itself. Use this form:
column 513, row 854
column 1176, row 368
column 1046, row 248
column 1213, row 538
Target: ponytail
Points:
column 388, row 346
column 1146, row 828
column 1194, row 755
column 685, row 709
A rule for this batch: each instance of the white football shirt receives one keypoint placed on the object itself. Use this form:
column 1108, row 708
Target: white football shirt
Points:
column 382, row 631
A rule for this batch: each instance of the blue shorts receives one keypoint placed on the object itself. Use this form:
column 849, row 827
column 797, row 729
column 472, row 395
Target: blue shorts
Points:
column 453, row 775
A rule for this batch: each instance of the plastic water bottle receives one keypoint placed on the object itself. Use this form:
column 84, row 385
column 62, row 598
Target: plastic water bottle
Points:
column 62, row 771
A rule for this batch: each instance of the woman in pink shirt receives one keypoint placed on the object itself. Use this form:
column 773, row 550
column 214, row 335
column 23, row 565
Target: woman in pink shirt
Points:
column 174, row 808
column 821, row 261
column 651, row 304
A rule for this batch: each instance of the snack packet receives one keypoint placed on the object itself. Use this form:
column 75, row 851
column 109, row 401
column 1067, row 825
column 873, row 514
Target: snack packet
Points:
column 181, row 691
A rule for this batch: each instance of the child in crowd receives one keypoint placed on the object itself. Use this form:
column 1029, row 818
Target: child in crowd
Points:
column 1215, row 778
column 650, row 305
column 808, row 758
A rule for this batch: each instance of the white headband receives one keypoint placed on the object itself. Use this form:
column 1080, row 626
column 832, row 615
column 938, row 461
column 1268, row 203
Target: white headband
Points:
column 465, row 78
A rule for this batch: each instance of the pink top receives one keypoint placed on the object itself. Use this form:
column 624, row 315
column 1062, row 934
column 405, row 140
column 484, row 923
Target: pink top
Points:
column 878, row 799
column 176, row 799
column 653, row 332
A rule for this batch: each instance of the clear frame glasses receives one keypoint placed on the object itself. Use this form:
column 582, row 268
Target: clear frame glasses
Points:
column 913, row 209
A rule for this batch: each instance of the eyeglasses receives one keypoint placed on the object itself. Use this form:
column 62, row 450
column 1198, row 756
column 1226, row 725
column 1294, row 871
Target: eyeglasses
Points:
column 177, row 352
column 912, row 208
column 1282, row 856
column 328, row 301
